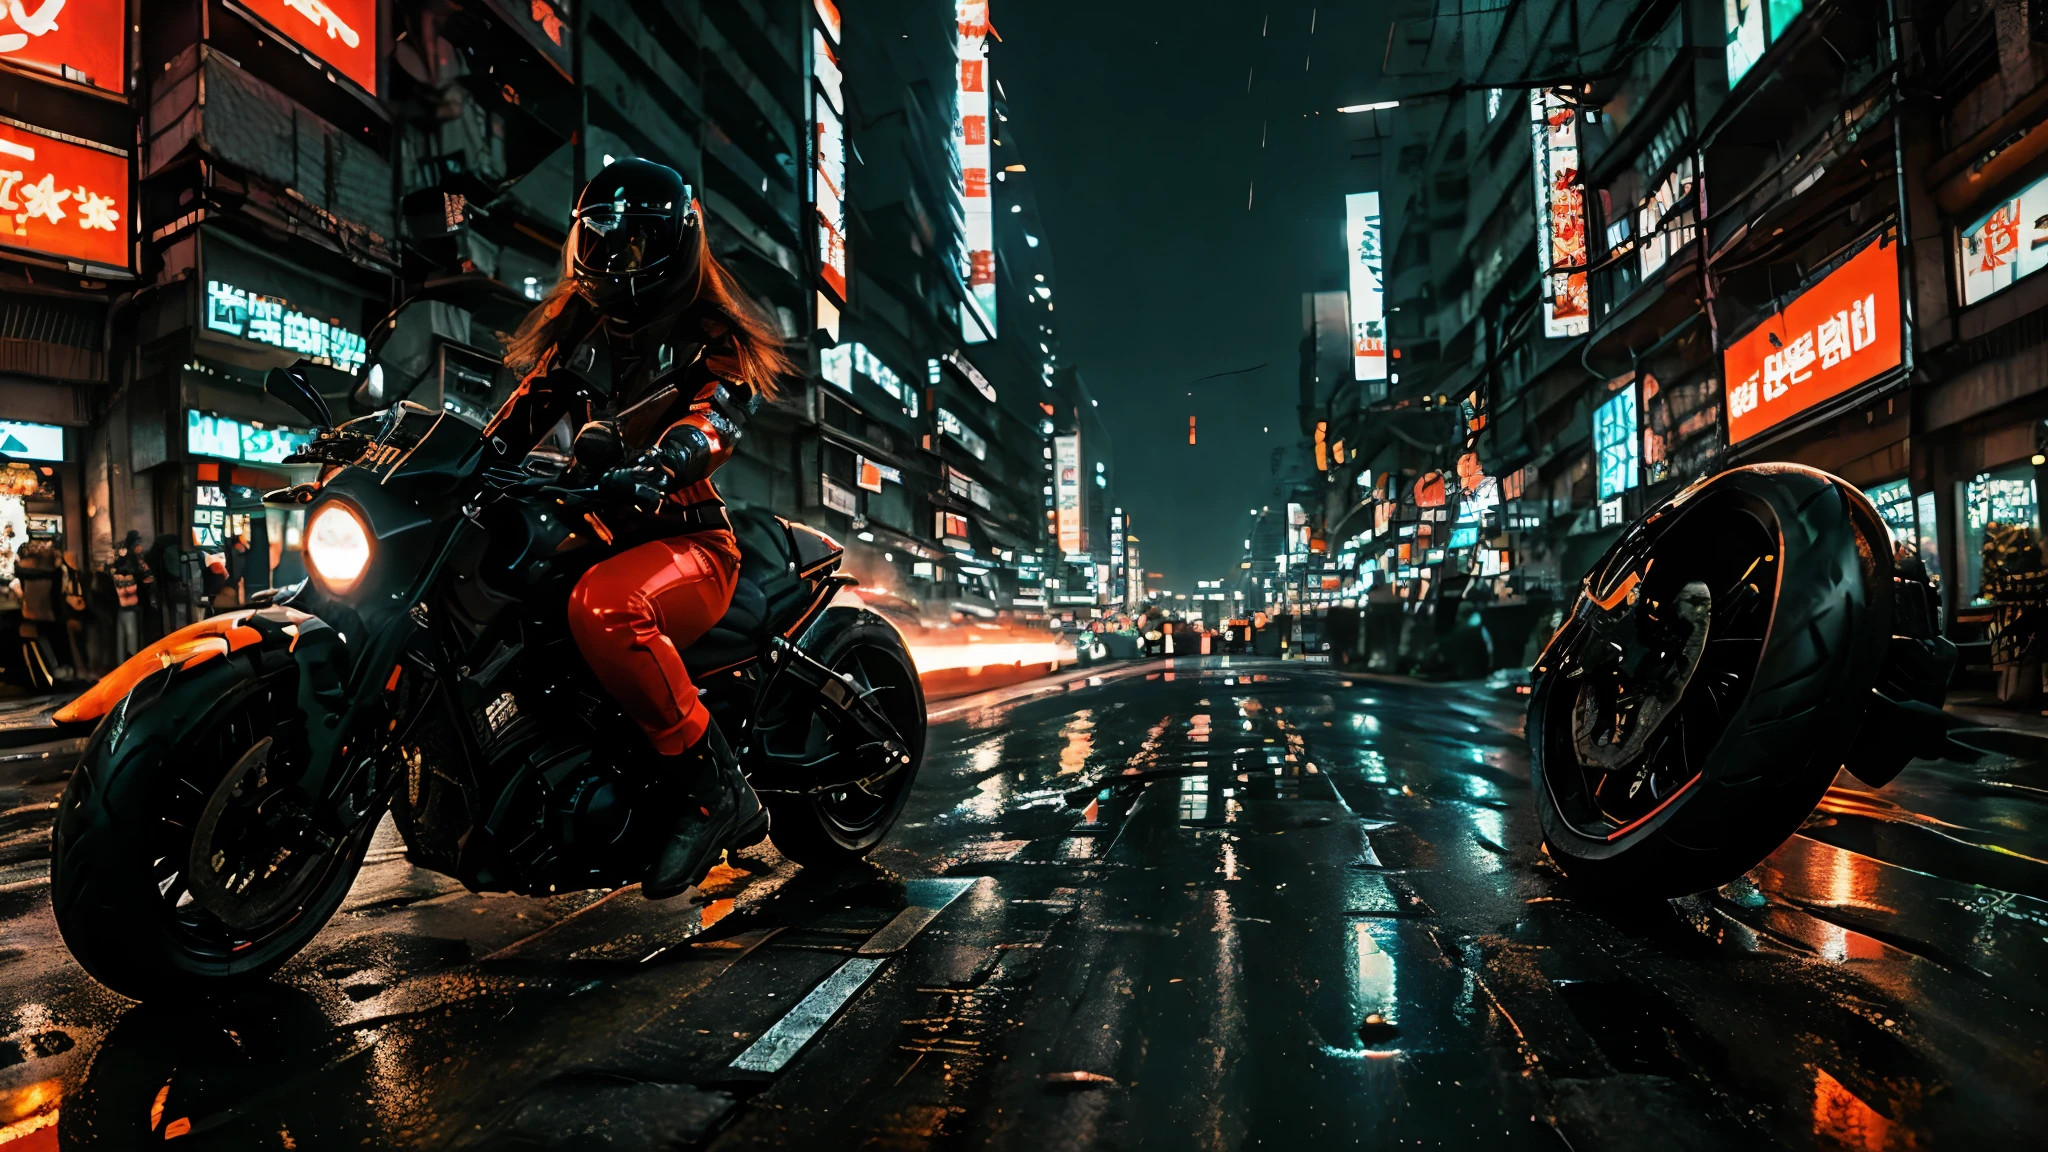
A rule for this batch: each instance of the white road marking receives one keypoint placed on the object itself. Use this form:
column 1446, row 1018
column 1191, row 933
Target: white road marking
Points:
column 800, row 1025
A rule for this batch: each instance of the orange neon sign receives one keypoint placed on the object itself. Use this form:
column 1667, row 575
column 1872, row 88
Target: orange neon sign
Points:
column 343, row 33
column 1834, row 336
column 63, row 199
column 83, row 41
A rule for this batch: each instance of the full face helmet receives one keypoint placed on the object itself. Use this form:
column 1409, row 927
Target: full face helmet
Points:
column 636, row 225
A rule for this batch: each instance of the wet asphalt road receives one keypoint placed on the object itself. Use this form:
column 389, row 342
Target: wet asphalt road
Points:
column 1216, row 906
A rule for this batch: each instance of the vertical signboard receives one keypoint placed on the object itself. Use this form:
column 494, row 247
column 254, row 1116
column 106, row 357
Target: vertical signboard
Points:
column 83, row 41
column 1368, row 286
column 64, row 199
column 1832, row 337
column 1067, row 491
column 971, row 149
column 1753, row 25
column 828, row 133
column 340, row 33
column 1114, row 584
column 1560, row 213
column 1616, row 444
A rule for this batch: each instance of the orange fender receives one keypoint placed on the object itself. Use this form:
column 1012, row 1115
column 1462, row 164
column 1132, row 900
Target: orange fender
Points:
column 190, row 645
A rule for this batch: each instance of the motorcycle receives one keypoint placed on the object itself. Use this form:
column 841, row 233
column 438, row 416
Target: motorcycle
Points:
column 237, row 769
column 1736, row 647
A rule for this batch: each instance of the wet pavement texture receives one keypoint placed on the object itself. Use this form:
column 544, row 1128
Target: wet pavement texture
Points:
column 1215, row 905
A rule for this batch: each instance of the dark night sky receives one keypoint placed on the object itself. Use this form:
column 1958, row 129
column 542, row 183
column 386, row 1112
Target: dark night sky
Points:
column 1142, row 140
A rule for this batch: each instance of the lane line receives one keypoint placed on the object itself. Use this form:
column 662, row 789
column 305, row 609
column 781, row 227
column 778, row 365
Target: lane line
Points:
column 928, row 898
column 787, row 1036
column 776, row 1047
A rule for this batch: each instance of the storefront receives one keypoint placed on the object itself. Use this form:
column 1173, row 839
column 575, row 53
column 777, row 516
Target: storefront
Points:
column 39, row 487
column 250, row 312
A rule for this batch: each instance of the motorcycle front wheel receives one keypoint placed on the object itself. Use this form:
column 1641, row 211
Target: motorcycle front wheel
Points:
column 179, row 862
column 845, row 824
column 1710, row 680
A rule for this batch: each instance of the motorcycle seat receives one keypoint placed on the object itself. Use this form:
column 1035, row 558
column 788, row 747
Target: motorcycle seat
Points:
column 772, row 592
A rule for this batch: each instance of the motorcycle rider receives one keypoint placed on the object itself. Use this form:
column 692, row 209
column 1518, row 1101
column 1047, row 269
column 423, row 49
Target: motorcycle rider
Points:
column 648, row 346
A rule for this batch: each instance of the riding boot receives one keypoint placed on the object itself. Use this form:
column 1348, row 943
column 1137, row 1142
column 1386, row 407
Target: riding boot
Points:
column 719, row 811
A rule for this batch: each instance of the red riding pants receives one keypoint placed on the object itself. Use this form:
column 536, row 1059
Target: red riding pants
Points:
column 633, row 615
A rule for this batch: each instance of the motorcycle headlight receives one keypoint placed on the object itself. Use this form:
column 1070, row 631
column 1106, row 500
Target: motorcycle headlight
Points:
column 337, row 547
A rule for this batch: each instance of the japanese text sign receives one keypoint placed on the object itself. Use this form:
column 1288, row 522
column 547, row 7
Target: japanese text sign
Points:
column 83, row 41
column 269, row 320
column 341, row 32
column 1835, row 335
column 1368, row 287
column 63, row 199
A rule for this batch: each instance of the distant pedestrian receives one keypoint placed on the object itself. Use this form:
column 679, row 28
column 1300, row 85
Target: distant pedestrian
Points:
column 74, row 613
column 131, row 577
column 35, row 568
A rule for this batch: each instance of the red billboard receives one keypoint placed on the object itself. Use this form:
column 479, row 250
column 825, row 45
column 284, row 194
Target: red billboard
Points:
column 341, row 32
column 1835, row 335
column 84, row 41
column 63, row 199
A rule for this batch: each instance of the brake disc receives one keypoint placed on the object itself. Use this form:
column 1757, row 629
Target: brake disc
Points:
column 1621, row 702
column 252, row 855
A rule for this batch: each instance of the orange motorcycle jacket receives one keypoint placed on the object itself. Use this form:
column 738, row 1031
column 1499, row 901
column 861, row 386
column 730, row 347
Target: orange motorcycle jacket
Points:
column 659, row 406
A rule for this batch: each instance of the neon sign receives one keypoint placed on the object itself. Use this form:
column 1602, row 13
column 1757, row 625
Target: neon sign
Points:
column 829, row 152
column 1560, row 214
column 977, row 194
column 61, row 198
column 342, row 33
column 270, row 320
column 87, row 46
column 1368, row 287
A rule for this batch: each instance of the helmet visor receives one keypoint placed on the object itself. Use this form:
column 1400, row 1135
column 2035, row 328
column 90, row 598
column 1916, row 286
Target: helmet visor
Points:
column 615, row 243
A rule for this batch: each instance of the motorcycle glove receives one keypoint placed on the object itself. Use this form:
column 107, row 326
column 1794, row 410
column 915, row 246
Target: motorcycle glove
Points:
column 641, row 485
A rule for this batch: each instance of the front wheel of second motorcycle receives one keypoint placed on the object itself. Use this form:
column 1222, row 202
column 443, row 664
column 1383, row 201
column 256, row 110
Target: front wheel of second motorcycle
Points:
column 1710, row 680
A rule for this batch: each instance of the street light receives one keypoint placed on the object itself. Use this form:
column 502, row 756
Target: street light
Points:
column 1380, row 106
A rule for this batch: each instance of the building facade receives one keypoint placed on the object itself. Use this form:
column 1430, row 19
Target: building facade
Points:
column 1738, row 233
column 204, row 190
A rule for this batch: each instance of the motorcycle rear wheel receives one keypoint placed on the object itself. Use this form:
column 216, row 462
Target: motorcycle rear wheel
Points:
column 840, row 827
column 194, row 773
column 1664, row 763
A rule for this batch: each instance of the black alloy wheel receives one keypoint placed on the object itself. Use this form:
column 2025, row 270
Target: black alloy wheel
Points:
column 1711, row 679
column 845, row 823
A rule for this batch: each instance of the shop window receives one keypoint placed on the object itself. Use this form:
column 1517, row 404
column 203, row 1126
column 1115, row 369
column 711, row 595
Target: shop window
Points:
column 2003, row 496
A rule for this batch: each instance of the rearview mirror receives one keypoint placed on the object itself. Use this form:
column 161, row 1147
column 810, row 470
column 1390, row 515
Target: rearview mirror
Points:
column 369, row 395
column 290, row 386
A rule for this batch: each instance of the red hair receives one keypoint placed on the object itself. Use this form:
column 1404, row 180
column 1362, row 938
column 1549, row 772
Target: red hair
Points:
column 757, row 344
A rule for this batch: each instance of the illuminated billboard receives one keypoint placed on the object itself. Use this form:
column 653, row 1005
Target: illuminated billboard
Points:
column 1560, row 213
column 1835, row 335
column 1067, row 491
column 977, row 194
column 829, row 151
column 23, row 440
column 209, row 435
column 63, row 199
column 1368, row 286
column 1615, row 443
column 341, row 33
column 88, row 45
column 271, row 320
column 2007, row 245
column 1752, row 26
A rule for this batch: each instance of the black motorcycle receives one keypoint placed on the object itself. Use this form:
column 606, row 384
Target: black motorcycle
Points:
column 1740, row 644
column 238, row 768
